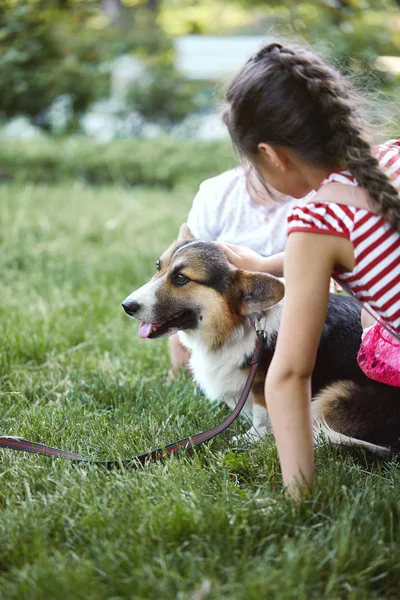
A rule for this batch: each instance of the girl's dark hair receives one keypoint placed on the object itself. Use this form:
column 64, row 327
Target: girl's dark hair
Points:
column 292, row 98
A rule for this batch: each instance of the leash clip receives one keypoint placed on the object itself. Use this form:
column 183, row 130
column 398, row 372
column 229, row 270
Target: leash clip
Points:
column 260, row 326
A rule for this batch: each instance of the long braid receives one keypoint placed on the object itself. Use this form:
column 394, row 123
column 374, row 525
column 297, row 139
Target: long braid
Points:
column 344, row 141
column 348, row 141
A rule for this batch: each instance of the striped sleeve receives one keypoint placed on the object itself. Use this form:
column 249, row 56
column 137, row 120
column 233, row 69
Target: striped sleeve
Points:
column 388, row 156
column 322, row 217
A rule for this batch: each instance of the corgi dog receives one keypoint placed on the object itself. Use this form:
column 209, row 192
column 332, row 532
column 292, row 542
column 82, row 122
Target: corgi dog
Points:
column 213, row 306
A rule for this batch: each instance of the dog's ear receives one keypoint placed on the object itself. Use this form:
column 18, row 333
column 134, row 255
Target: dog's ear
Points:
column 259, row 291
column 185, row 233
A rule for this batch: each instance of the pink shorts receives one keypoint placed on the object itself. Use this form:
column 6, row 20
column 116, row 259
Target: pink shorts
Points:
column 379, row 355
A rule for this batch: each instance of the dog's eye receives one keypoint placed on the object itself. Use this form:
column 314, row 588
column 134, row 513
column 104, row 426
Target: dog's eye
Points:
column 158, row 266
column 180, row 279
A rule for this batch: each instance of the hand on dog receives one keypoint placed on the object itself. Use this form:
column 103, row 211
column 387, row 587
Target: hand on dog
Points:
column 242, row 257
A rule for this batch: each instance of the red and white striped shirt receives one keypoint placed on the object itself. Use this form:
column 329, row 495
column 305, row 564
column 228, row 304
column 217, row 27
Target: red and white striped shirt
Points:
column 376, row 275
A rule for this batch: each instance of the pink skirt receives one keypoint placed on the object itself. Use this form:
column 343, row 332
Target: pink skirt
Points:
column 379, row 355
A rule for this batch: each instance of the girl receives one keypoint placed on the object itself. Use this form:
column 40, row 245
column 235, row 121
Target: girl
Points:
column 235, row 207
column 294, row 118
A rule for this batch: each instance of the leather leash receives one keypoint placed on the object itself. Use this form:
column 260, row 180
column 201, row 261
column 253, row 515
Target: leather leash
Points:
column 188, row 443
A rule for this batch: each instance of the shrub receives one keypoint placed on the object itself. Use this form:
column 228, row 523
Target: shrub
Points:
column 163, row 162
column 28, row 53
column 35, row 67
column 46, row 51
column 164, row 96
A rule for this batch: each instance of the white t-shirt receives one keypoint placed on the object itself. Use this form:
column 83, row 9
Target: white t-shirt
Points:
column 223, row 211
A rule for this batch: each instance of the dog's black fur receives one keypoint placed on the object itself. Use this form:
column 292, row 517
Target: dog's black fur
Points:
column 372, row 410
column 347, row 404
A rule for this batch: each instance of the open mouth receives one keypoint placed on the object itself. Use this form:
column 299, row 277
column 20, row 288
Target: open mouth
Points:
column 184, row 320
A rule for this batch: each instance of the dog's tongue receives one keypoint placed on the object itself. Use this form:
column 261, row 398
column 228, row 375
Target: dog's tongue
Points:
column 145, row 329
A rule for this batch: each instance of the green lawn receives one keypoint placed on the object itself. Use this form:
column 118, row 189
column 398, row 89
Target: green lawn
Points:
column 73, row 373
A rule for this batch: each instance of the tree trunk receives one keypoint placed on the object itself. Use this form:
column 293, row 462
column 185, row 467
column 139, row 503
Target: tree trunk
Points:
column 112, row 8
column 152, row 5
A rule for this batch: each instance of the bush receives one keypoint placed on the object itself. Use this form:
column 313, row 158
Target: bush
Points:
column 36, row 67
column 28, row 53
column 46, row 51
column 163, row 96
column 352, row 38
column 163, row 162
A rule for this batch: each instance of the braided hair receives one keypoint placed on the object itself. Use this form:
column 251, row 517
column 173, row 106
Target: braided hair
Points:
column 293, row 98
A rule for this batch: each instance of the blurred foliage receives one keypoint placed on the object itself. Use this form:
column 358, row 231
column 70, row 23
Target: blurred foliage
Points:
column 38, row 63
column 54, row 47
column 164, row 96
column 352, row 33
column 183, row 17
column 165, row 162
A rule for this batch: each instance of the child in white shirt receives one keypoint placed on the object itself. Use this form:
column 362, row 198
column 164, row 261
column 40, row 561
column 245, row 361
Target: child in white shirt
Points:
column 234, row 207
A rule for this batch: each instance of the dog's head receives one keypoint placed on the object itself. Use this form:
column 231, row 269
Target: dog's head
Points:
column 196, row 288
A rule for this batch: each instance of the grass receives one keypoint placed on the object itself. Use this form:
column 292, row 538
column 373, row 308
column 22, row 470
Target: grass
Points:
column 73, row 373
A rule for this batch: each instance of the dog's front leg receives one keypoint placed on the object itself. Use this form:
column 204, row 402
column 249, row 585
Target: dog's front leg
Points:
column 261, row 423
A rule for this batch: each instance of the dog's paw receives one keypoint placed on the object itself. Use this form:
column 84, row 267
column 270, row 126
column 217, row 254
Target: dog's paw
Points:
column 251, row 436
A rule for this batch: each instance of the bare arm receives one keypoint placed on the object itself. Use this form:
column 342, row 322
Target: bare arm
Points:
column 179, row 355
column 309, row 261
column 244, row 258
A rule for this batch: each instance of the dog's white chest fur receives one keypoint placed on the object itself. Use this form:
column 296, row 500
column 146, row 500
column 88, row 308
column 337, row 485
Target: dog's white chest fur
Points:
column 219, row 373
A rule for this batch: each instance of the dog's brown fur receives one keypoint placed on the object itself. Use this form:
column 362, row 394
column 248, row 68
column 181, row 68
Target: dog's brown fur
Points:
column 214, row 307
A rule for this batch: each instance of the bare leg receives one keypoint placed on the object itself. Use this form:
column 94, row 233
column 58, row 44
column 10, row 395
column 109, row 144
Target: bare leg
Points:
column 179, row 356
column 367, row 320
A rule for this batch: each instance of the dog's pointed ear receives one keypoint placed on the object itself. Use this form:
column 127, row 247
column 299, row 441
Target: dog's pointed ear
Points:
column 185, row 234
column 259, row 291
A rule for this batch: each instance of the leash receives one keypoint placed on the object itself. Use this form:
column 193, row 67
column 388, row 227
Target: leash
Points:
column 188, row 443
column 367, row 309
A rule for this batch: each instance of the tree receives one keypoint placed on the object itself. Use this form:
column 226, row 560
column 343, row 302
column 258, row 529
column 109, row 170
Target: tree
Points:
column 112, row 9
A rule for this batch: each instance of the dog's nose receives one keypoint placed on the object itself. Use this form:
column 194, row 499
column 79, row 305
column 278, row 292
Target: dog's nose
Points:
column 130, row 306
